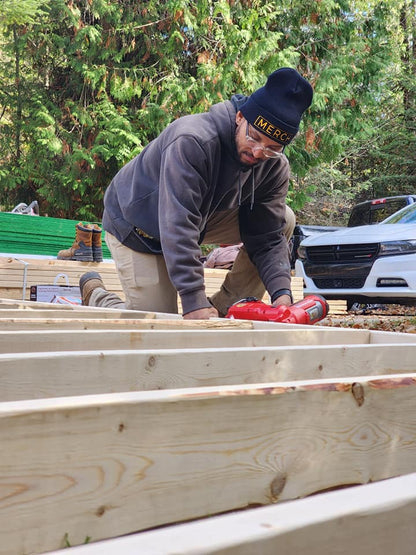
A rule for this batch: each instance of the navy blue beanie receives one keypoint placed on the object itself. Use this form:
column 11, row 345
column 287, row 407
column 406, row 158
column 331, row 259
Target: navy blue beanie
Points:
column 277, row 108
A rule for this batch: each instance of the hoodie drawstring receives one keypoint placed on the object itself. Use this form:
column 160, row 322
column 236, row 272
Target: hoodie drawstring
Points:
column 240, row 190
column 252, row 191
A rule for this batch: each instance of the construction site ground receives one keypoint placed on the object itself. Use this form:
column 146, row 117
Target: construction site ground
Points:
column 386, row 317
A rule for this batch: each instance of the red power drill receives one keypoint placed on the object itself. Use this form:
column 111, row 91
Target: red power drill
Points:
column 309, row 310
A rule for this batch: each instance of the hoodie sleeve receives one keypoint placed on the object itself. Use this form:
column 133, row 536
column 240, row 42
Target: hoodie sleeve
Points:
column 183, row 187
column 262, row 228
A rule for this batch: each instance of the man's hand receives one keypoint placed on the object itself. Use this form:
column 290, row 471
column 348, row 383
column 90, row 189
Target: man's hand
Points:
column 202, row 314
column 283, row 300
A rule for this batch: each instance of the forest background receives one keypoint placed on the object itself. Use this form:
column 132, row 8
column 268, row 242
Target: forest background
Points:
column 86, row 84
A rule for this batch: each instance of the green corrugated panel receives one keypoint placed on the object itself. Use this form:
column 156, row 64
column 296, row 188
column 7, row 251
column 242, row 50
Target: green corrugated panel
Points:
column 24, row 234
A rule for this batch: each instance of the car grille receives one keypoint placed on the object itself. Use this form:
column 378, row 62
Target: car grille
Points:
column 342, row 253
column 339, row 283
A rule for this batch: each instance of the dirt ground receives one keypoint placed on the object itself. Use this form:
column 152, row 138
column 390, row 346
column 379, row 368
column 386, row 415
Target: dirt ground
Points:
column 394, row 318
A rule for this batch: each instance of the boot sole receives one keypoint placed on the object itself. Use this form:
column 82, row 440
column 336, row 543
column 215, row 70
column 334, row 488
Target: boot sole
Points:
column 80, row 258
column 97, row 254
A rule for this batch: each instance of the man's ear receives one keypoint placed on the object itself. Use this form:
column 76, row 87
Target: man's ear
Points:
column 239, row 117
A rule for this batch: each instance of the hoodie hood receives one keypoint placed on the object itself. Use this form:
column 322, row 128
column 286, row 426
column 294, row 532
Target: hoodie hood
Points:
column 238, row 100
column 223, row 115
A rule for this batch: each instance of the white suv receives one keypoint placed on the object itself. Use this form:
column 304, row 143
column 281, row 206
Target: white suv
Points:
column 365, row 264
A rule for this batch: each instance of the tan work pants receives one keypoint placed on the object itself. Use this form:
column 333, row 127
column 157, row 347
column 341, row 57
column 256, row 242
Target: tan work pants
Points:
column 146, row 282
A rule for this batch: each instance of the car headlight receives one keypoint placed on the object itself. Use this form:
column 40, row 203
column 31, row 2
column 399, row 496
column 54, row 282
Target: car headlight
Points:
column 301, row 252
column 388, row 248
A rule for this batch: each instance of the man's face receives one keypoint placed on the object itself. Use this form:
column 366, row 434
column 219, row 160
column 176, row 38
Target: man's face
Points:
column 251, row 144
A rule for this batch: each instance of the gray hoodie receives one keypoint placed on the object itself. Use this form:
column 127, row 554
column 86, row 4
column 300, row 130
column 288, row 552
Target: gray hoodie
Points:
column 160, row 201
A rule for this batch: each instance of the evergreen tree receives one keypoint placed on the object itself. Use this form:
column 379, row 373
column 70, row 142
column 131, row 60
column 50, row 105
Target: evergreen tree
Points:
column 376, row 157
column 86, row 84
column 391, row 162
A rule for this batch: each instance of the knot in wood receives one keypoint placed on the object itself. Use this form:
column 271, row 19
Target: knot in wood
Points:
column 358, row 393
column 277, row 486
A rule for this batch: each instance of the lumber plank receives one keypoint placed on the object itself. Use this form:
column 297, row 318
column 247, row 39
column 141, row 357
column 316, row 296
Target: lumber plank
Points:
column 41, row 375
column 117, row 338
column 375, row 335
column 43, row 310
column 22, row 304
column 106, row 465
column 372, row 518
column 36, row 340
column 116, row 323
column 81, row 313
column 344, row 336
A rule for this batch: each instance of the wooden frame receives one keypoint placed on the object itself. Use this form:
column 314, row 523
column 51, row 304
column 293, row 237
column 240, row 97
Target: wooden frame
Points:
column 137, row 421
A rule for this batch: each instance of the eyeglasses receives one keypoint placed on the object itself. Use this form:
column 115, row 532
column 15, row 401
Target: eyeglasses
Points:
column 268, row 151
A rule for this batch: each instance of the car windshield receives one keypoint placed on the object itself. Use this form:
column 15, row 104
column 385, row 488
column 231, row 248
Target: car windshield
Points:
column 406, row 215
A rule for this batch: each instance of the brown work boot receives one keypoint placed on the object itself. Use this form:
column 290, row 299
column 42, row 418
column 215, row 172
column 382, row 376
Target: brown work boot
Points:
column 87, row 283
column 97, row 250
column 82, row 247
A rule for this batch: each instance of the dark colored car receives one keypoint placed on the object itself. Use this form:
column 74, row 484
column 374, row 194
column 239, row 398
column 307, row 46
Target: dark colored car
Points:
column 376, row 210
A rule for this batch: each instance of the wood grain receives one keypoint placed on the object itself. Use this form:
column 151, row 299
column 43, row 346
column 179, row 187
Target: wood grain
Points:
column 373, row 518
column 70, row 373
column 107, row 465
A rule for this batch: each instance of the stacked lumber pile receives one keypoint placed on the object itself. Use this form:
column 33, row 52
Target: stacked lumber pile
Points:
column 17, row 275
column 127, row 423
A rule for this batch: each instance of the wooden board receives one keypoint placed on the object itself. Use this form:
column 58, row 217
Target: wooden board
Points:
column 373, row 518
column 18, row 324
column 106, row 465
column 41, row 375
column 118, row 337
column 343, row 336
column 31, row 341
column 77, row 313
